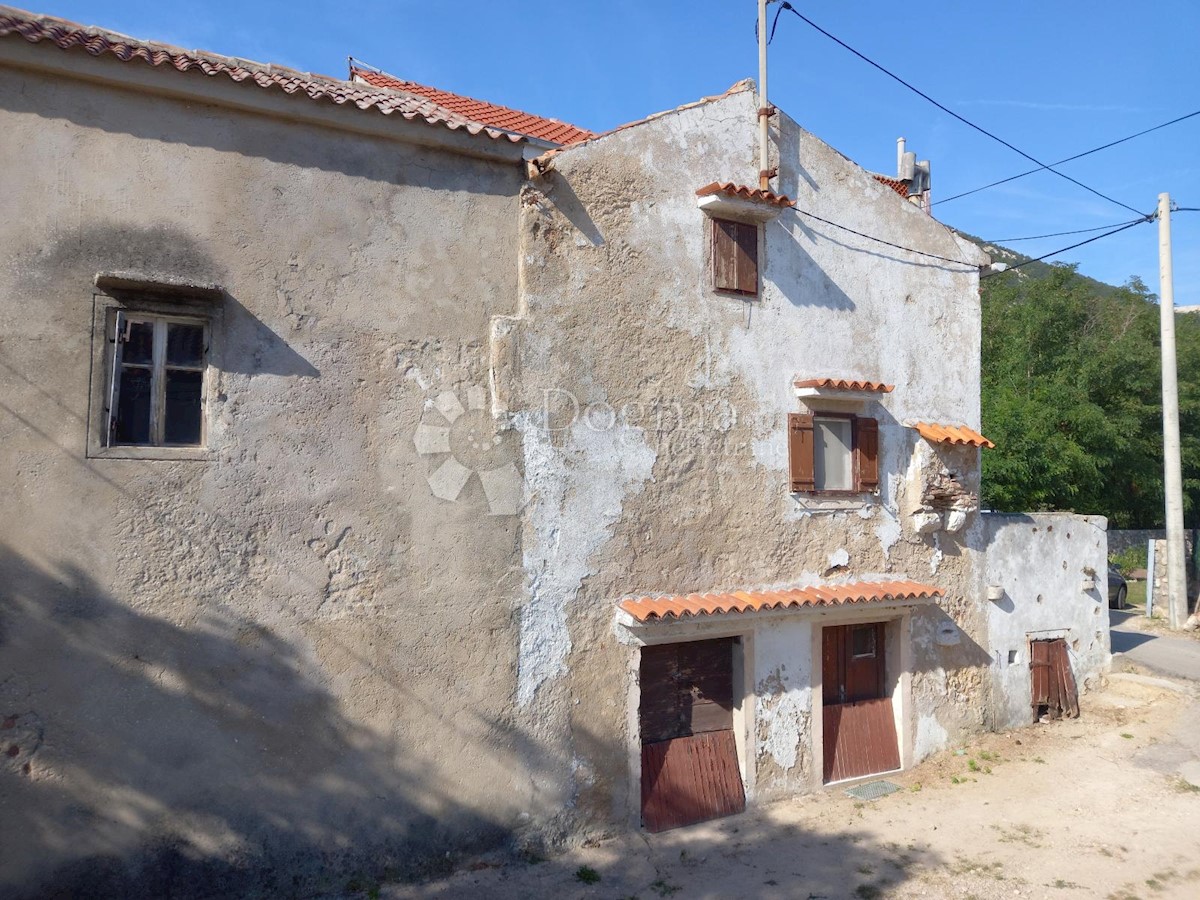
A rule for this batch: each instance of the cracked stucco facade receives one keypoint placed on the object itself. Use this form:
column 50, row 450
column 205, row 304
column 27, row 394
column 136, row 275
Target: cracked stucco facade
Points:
column 456, row 414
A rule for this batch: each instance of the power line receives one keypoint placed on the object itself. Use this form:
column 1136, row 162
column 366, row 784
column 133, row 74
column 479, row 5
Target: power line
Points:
column 1068, row 159
column 951, row 112
column 1035, row 237
column 1125, row 227
column 869, row 237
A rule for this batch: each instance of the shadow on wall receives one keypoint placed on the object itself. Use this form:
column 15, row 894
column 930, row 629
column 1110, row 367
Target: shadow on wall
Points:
column 248, row 347
column 147, row 759
column 170, row 121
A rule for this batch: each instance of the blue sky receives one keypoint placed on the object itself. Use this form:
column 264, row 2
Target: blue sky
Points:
column 1053, row 78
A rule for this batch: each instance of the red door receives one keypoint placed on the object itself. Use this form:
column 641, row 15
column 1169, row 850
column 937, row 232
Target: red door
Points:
column 690, row 769
column 859, row 728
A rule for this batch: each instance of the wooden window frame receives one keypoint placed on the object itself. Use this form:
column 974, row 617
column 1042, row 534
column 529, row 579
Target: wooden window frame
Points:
column 734, row 272
column 864, row 454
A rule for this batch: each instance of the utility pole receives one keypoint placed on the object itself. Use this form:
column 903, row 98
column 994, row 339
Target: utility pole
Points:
column 1172, row 468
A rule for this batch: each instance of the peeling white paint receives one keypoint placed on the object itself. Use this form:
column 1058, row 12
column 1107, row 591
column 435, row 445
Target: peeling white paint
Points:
column 784, row 719
column 935, row 558
column 574, row 495
column 888, row 532
column 839, row 558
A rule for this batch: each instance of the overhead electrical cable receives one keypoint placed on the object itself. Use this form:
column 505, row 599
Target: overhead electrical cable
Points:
column 1034, row 237
column 1067, row 160
column 951, row 112
column 961, row 262
column 1072, row 247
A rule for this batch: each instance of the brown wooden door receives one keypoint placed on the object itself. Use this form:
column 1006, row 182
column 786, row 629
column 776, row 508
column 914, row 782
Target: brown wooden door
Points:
column 690, row 769
column 859, row 727
column 1053, row 692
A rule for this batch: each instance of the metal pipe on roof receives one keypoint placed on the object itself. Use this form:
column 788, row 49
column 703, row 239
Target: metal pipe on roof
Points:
column 764, row 107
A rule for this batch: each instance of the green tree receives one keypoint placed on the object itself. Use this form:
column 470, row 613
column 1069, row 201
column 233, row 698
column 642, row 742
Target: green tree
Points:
column 1072, row 398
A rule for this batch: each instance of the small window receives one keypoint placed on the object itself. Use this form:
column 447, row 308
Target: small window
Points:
column 155, row 392
column 862, row 641
column 735, row 257
column 833, row 454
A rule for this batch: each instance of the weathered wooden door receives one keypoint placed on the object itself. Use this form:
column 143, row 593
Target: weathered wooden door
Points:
column 1053, row 692
column 859, row 727
column 690, row 768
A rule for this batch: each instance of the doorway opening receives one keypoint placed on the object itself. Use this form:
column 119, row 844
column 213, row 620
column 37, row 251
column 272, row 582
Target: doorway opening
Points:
column 859, row 726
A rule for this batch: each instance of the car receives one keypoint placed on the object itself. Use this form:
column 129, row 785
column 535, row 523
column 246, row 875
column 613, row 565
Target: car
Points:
column 1118, row 590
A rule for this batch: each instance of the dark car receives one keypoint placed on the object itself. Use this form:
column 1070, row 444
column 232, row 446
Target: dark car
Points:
column 1117, row 589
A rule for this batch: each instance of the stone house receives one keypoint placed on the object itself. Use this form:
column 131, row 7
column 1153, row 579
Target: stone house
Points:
column 416, row 475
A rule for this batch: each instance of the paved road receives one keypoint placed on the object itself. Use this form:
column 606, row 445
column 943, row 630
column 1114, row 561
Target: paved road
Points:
column 1162, row 653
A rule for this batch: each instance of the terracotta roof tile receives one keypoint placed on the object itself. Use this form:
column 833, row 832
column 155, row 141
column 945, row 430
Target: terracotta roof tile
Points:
column 841, row 384
column 70, row 36
column 648, row 609
column 896, row 184
column 951, row 434
column 481, row 111
column 740, row 191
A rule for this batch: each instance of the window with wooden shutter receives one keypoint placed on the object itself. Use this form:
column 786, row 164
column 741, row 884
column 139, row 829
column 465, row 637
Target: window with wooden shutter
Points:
column 800, row 452
column 866, row 454
column 833, row 454
column 735, row 256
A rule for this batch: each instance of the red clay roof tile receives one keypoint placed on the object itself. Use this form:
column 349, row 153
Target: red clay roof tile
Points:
column 841, row 384
column 896, row 184
column 480, row 110
column 951, row 434
column 648, row 609
column 729, row 189
column 68, row 35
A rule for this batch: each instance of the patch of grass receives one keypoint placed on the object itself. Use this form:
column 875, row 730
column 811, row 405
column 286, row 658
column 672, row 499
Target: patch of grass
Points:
column 988, row 756
column 663, row 889
column 1154, row 884
column 587, row 875
column 1038, row 759
column 1019, row 834
column 916, row 787
column 1127, row 735
column 864, row 869
column 1059, row 883
column 1185, row 787
column 978, row 867
column 868, row 892
column 972, row 765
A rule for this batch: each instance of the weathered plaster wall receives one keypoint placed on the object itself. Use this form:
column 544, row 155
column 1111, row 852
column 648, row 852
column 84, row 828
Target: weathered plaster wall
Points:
column 292, row 657
column 652, row 413
column 1041, row 562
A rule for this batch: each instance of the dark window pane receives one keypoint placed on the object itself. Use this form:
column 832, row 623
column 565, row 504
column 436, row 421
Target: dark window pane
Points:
column 132, row 422
column 185, row 345
column 182, row 412
column 140, row 346
column 862, row 639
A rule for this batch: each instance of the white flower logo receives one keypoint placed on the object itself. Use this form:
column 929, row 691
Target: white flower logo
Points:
column 473, row 449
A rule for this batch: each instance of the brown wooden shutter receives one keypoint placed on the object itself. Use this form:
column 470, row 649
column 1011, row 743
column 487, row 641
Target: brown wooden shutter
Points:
column 866, row 453
column 800, row 452
column 747, row 259
column 735, row 256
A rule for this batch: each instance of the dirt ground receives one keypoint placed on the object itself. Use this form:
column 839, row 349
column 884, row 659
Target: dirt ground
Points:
column 1104, row 806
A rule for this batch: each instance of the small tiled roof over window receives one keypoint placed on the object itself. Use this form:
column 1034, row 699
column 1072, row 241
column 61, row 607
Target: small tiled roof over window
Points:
column 842, row 384
column 550, row 130
column 649, row 609
column 69, row 36
column 951, row 434
column 742, row 192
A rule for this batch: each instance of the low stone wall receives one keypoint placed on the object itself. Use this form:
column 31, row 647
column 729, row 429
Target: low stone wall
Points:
column 1047, row 574
column 1124, row 538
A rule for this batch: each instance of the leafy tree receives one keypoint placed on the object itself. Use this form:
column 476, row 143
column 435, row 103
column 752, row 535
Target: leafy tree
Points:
column 1072, row 398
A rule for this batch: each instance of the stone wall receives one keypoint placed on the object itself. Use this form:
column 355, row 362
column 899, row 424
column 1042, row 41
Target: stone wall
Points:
column 1047, row 572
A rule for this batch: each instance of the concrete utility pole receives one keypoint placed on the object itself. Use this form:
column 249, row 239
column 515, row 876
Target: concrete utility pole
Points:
column 1172, row 467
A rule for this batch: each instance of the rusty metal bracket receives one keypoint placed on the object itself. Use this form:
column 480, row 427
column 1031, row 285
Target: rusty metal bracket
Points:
column 767, row 111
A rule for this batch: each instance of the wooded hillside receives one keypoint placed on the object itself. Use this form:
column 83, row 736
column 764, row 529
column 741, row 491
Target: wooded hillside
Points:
column 1072, row 396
